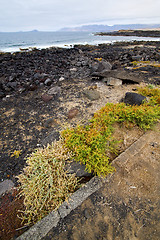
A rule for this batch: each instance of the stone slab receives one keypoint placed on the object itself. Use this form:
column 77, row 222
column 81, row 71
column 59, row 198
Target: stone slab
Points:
column 5, row 186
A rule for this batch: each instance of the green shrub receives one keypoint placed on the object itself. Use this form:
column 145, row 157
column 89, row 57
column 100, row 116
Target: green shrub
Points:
column 90, row 144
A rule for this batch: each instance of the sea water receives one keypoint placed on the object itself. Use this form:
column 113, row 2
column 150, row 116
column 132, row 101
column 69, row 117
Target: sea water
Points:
column 12, row 42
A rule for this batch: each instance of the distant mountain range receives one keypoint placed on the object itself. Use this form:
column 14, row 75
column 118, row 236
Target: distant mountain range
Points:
column 106, row 28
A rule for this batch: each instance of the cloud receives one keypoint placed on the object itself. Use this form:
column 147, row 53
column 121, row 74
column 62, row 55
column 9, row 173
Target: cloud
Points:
column 54, row 14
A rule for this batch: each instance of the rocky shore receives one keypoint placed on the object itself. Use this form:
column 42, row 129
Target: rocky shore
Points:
column 137, row 33
column 44, row 91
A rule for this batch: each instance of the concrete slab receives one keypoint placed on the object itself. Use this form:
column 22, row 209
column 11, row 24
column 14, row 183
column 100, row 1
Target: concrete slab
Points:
column 5, row 186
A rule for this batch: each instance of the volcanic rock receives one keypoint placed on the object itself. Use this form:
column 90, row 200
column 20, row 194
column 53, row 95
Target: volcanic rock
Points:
column 78, row 169
column 133, row 98
column 92, row 94
column 48, row 82
column 136, row 58
column 72, row 113
column 32, row 87
column 2, row 94
column 120, row 74
column 12, row 85
column 100, row 66
column 46, row 97
column 54, row 135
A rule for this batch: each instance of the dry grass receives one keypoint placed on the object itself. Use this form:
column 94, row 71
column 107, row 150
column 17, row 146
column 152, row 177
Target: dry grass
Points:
column 44, row 182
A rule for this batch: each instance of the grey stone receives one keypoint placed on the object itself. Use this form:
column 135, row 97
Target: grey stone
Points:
column 128, row 76
column 5, row 186
column 125, row 76
column 92, row 94
column 72, row 113
column 12, row 85
column 2, row 94
column 78, row 64
column 73, row 70
column 64, row 210
column 37, row 75
column 61, row 79
column 48, row 82
column 136, row 58
column 37, row 82
column 51, row 138
column 87, row 214
column 54, row 90
column 46, row 97
column 113, row 81
column 78, row 169
column 21, row 90
column 48, row 122
column 100, row 66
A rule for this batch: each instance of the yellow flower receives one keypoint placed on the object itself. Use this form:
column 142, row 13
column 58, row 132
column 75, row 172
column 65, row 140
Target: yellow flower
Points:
column 16, row 153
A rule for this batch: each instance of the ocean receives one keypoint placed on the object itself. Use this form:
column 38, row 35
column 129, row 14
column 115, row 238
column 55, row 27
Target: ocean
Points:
column 12, row 42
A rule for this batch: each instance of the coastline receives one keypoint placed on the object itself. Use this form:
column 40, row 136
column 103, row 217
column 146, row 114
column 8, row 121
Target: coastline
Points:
column 13, row 42
column 39, row 88
column 26, row 76
column 138, row 33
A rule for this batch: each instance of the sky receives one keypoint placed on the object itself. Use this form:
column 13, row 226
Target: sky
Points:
column 52, row 15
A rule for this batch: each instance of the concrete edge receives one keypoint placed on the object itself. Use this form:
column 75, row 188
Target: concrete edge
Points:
column 6, row 186
column 41, row 228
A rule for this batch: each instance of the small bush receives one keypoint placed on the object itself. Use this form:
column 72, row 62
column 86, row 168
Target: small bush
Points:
column 90, row 143
column 153, row 93
column 44, row 182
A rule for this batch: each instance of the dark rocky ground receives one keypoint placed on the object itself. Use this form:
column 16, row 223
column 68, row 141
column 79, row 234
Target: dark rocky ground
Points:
column 30, row 113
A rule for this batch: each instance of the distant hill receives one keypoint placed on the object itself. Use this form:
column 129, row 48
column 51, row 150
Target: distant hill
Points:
column 106, row 28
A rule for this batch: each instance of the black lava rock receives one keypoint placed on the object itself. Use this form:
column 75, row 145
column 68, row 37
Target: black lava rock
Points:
column 132, row 98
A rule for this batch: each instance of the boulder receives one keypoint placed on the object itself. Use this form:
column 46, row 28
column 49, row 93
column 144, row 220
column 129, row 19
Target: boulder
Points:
column 78, row 169
column 100, row 66
column 48, row 82
column 72, row 113
column 32, row 87
column 54, row 90
column 61, row 79
column 136, row 58
column 125, row 76
column 2, row 94
column 12, row 85
column 132, row 98
column 72, row 70
column 113, row 81
column 54, row 135
column 92, row 94
column 46, row 97
column 128, row 76
column 48, row 122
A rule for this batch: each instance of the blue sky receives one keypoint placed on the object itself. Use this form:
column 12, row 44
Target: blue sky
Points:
column 51, row 15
